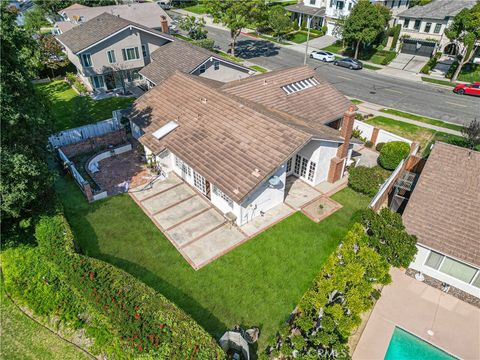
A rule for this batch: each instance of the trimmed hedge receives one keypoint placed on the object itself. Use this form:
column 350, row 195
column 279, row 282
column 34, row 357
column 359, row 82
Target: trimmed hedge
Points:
column 392, row 153
column 396, row 34
column 431, row 63
column 145, row 321
column 366, row 180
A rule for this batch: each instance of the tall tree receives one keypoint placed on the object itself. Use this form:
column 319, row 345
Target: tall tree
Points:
column 465, row 32
column 52, row 54
column 279, row 20
column 35, row 19
column 195, row 27
column 471, row 134
column 365, row 23
column 236, row 15
column 25, row 180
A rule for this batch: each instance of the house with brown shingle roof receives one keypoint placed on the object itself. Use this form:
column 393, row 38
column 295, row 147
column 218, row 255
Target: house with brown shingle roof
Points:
column 237, row 148
column 110, row 51
column 443, row 211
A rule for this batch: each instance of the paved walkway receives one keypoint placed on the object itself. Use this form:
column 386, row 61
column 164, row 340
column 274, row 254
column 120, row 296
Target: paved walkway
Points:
column 428, row 313
column 369, row 108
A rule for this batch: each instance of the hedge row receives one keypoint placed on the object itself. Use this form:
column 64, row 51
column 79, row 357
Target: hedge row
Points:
column 431, row 63
column 366, row 180
column 392, row 153
column 145, row 321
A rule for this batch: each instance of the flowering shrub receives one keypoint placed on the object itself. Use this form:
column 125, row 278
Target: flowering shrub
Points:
column 144, row 320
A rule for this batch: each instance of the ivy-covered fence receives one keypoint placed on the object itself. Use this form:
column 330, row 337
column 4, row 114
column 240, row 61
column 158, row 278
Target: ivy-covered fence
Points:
column 145, row 321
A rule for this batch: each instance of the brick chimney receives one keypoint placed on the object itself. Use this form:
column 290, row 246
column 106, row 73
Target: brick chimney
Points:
column 337, row 164
column 164, row 24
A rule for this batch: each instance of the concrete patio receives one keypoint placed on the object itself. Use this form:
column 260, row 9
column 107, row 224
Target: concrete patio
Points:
column 430, row 314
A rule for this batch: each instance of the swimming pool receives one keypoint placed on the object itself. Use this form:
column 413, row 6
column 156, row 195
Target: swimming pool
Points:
column 405, row 346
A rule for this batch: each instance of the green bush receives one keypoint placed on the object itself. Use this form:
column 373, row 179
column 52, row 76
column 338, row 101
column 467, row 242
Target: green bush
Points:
column 389, row 56
column 205, row 43
column 365, row 180
column 396, row 34
column 389, row 237
column 379, row 146
column 145, row 320
column 392, row 153
column 341, row 292
column 431, row 63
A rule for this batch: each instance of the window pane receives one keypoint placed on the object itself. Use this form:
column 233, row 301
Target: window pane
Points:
column 458, row 270
column 434, row 260
column 476, row 282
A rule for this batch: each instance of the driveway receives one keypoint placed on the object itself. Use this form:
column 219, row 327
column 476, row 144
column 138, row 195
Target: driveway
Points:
column 407, row 62
column 198, row 231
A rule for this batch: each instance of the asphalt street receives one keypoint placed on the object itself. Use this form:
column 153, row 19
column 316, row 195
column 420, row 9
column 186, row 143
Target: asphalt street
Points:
column 421, row 98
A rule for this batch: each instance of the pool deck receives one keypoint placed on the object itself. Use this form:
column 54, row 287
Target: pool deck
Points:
column 417, row 308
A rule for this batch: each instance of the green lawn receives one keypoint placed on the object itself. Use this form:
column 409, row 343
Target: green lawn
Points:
column 438, row 82
column 71, row 110
column 268, row 38
column 470, row 74
column 374, row 55
column 356, row 101
column 371, row 67
column 260, row 69
column 197, row 9
column 423, row 119
column 23, row 339
column 300, row 37
column 425, row 137
column 259, row 283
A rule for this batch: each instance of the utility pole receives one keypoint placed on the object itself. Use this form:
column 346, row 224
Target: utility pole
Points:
column 309, row 21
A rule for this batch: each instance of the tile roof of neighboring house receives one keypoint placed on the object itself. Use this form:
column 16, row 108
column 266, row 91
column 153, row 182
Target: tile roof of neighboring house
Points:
column 438, row 9
column 146, row 14
column 64, row 26
column 304, row 9
column 223, row 137
column 177, row 55
column 444, row 208
column 97, row 29
column 315, row 107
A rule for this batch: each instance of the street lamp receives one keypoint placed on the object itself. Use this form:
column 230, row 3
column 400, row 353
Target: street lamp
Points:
column 308, row 34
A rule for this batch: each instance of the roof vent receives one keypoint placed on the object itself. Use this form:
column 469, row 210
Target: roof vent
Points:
column 265, row 82
column 165, row 129
column 256, row 173
column 204, row 100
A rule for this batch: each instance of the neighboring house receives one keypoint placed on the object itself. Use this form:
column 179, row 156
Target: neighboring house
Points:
column 237, row 142
column 328, row 12
column 146, row 14
column 423, row 27
column 443, row 212
column 182, row 56
column 108, row 50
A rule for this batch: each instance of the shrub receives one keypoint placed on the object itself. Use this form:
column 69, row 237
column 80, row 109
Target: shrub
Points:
column 388, row 236
column 357, row 133
column 71, row 77
column 324, row 29
column 368, row 144
column 205, row 43
column 365, row 180
column 146, row 321
column 389, row 56
column 392, row 153
column 396, row 34
column 431, row 63
column 330, row 310
column 379, row 146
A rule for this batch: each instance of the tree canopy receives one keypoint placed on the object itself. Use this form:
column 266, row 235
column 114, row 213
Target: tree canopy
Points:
column 465, row 31
column 279, row 20
column 53, row 6
column 25, row 125
column 195, row 27
column 365, row 23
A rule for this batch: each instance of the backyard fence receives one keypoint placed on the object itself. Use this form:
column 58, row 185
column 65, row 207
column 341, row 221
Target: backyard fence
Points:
column 377, row 135
column 81, row 133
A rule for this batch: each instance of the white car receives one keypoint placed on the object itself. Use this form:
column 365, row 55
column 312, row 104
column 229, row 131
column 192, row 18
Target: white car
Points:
column 324, row 56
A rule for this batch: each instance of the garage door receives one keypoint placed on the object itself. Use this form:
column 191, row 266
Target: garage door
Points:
column 417, row 47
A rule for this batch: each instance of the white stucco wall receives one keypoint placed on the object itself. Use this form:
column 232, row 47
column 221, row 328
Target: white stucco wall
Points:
column 225, row 73
column 419, row 265
column 328, row 151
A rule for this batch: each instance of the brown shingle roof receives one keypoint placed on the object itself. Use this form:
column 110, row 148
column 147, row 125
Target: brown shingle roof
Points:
column 315, row 107
column 444, row 208
column 177, row 55
column 97, row 29
column 221, row 138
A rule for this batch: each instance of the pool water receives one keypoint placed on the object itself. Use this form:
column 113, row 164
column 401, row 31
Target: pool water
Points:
column 405, row 346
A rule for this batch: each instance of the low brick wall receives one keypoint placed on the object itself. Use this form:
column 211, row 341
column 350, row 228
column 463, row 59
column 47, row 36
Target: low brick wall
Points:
column 95, row 143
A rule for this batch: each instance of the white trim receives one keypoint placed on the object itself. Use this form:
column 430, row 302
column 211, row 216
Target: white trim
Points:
column 130, row 27
column 444, row 254
column 222, row 61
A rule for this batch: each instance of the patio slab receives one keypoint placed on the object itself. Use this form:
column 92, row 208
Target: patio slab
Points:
column 168, row 198
column 417, row 307
column 194, row 228
column 143, row 192
column 331, row 188
column 299, row 193
column 321, row 208
column 184, row 210
column 260, row 223
column 213, row 245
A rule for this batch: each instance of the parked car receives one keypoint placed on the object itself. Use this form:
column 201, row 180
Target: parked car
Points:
column 324, row 56
column 350, row 63
column 468, row 89
column 165, row 5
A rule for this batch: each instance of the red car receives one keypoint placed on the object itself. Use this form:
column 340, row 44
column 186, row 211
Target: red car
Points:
column 469, row 89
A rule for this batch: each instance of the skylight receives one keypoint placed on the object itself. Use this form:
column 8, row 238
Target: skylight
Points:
column 300, row 85
column 165, row 129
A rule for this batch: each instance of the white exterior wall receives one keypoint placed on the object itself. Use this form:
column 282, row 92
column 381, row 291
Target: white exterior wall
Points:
column 419, row 265
column 383, row 135
column 225, row 73
column 264, row 198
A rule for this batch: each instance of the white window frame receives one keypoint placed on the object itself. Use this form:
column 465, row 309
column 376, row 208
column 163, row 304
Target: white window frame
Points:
column 97, row 77
column 84, row 64
column 221, row 194
column 289, row 165
column 135, row 51
column 312, row 168
column 199, row 182
column 437, row 29
column 477, row 273
column 111, row 57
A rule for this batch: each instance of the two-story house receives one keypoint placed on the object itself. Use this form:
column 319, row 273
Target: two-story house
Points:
column 327, row 12
column 423, row 27
column 109, row 52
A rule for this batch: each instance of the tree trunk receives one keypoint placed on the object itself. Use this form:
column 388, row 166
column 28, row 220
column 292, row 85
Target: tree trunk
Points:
column 234, row 34
column 465, row 58
column 356, row 49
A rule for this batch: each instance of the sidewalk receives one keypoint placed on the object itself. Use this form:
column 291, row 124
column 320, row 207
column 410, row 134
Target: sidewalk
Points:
column 369, row 108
